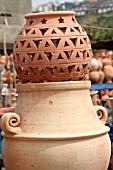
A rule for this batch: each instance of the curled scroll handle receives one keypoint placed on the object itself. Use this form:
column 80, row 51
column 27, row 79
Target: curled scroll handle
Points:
column 10, row 123
column 102, row 113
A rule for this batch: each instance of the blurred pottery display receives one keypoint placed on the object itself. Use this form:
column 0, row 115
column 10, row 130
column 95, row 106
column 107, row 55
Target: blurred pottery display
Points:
column 52, row 47
column 56, row 130
column 105, row 95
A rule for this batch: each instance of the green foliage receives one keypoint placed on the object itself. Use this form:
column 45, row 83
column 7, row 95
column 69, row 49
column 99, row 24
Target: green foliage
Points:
column 99, row 27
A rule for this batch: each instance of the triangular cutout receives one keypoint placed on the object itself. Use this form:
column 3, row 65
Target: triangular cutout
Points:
column 54, row 32
column 56, row 41
column 28, row 45
column 49, row 55
column 50, row 69
column 47, row 44
column 88, row 54
column 24, row 60
column 71, row 30
column 16, row 45
column 77, row 55
column 43, row 30
column 31, row 22
column 37, row 42
column 84, row 53
column 32, row 70
column 85, row 39
column 27, row 73
column 78, row 29
column 27, row 30
column 73, row 19
column 31, row 56
column 34, row 32
column 74, row 40
column 63, row 29
column 68, row 53
column 61, row 71
column 22, row 43
column 84, row 66
column 70, row 68
column 39, row 57
column 81, row 42
column 60, row 57
column 78, row 69
column 66, row 44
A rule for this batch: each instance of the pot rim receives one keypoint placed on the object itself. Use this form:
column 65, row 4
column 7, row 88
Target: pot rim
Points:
column 50, row 86
column 50, row 13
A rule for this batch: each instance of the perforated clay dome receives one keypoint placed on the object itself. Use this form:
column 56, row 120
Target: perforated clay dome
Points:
column 52, row 47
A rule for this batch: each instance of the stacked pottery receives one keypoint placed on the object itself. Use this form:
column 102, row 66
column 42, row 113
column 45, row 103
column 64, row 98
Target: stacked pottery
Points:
column 8, row 95
column 107, row 66
column 57, row 126
column 96, row 74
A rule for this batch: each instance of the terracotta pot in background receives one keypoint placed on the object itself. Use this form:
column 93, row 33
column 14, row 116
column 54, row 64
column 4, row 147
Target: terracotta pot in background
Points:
column 94, row 64
column 94, row 76
column 101, row 76
column 108, row 71
column 106, row 61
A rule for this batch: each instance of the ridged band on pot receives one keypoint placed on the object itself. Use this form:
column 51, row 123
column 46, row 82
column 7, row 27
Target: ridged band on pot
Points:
column 52, row 47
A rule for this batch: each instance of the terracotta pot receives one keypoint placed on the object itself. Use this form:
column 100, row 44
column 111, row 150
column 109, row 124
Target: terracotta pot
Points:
column 101, row 76
column 94, row 76
column 108, row 71
column 100, row 64
column 94, row 64
column 106, row 61
column 52, row 47
column 56, row 130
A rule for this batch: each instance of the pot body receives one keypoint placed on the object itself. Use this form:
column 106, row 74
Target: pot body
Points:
column 52, row 47
column 57, row 128
column 76, row 154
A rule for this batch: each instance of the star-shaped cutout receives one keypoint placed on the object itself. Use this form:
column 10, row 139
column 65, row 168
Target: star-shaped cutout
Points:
column 61, row 20
column 73, row 19
column 30, row 23
column 43, row 21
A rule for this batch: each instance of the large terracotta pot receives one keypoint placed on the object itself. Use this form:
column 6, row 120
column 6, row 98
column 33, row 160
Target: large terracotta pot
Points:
column 52, row 47
column 57, row 128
